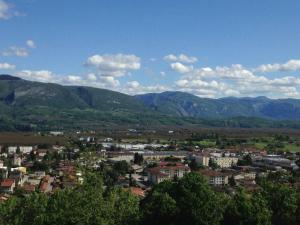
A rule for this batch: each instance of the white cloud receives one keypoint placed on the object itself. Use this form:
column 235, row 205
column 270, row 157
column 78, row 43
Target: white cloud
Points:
column 30, row 44
column 237, row 80
column 114, row 65
column 7, row 10
column 109, row 82
column 38, row 75
column 4, row 10
column 180, row 68
column 133, row 84
column 92, row 77
column 16, row 51
column 73, row 79
column 291, row 65
column 7, row 66
column 180, row 58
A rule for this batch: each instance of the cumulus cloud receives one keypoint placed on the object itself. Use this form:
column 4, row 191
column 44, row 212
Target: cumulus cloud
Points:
column 38, row 75
column 16, row 51
column 291, row 65
column 92, row 77
column 74, row 79
column 180, row 58
column 133, row 84
column 30, row 44
column 19, row 51
column 109, row 82
column 114, row 65
column 162, row 73
column 134, row 88
column 7, row 66
column 236, row 80
column 180, row 68
column 5, row 10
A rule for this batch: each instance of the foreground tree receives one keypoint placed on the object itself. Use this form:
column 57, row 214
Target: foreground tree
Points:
column 244, row 209
column 191, row 198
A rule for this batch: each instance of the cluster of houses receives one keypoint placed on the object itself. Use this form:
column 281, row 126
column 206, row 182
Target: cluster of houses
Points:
column 227, row 169
column 17, row 171
column 220, row 167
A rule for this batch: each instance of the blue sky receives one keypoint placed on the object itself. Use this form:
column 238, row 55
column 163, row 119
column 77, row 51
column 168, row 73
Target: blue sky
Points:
column 209, row 48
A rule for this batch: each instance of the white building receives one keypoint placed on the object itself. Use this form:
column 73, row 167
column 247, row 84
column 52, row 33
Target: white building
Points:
column 26, row 149
column 12, row 150
column 225, row 162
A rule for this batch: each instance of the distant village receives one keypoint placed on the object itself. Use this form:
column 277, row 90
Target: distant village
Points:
column 46, row 168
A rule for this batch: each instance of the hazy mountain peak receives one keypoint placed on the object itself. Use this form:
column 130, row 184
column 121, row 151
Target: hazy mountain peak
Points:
column 8, row 77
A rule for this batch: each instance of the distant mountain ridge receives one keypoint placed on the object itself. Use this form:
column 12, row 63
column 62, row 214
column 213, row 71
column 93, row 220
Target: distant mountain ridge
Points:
column 187, row 105
column 28, row 105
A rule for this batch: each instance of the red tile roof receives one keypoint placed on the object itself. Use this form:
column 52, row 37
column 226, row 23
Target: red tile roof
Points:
column 212, row 173
column 29, row 187
column 7, row 182
column 139, row 192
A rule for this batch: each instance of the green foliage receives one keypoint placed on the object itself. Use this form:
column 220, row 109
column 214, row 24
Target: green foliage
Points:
column 189, row 200
column 44, row 106
column 121, row 167
column 245, row 161
column 191, row 197
column 245, row 209
column 283, row 201
column 212, row 164
column 138, row 158
column 84, row 205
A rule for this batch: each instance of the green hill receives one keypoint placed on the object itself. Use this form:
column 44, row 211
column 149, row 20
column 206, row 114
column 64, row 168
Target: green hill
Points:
column 27, row 105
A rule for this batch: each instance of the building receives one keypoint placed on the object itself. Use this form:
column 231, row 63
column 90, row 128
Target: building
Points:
column 166, row 171
column 12, row 150
column 8, row 185
column 201, row 158
column 25, row 149
column 215, row 178
column 16, row 160
column 225, row 162
column 274, row 162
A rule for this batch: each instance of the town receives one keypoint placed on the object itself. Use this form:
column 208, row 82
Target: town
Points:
column 137, row 166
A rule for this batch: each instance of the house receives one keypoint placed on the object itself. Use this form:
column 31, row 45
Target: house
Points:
column 166, row 171
column 18, row 176
column 45, row 185
column 17, row 160
column 25, row 149
column 56, row 133
column 12, row 150
column 225, row 162
column 8, row 185
column 201, row 158
column 215, row 178
column 28, row 188
column 274, row 162
column 136, row 191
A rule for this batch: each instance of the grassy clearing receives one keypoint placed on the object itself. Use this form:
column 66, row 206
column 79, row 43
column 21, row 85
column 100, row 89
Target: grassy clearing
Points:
column 292, row 148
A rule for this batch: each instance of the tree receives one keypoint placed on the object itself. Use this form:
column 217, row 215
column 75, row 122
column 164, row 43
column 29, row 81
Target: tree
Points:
column 213, row 164
column 245, row 209
column 193, row 165
column 138, row 158
column 231, row 181
column 282, row 200
column 121, row 167
column 246, row 161
column 190, row 197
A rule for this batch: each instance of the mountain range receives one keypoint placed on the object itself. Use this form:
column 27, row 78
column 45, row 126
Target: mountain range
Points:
column 28, row 105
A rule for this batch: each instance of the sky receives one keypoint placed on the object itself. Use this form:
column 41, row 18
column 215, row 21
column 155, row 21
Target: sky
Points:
column 210, row 48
